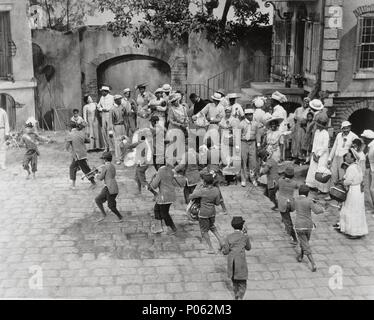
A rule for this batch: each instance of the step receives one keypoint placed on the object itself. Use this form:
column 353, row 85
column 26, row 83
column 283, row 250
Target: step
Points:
column 267, row 88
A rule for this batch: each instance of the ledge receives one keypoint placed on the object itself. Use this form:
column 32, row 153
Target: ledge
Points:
column 269, row 87
column 9, row 85
column 362, row 75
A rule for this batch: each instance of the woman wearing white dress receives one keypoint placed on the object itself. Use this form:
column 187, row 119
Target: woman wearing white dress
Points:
column 352, row 214
column 320, row 155
column 90, row 117
column 274, row 137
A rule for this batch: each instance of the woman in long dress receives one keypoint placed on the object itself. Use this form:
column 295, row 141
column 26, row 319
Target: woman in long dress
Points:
column 90, row 117
column 352, row 214
column 274, row 138
column 320, row 155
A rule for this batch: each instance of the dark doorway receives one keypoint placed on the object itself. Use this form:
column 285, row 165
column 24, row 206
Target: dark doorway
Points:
column 9, row 105
column 362, row 120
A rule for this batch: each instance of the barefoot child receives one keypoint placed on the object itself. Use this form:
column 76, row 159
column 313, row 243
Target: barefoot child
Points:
column 209, row 198
column 235, row 246
column 304, row 224
column 110, row 190
column 30, row 139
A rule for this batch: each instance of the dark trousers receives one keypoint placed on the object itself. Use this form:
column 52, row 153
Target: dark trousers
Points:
column 83, row 165
column 30, row 159
column 304, row 237
column 271, row 194
column 162, row 213
column 105, row 196
column 240, row 287
column 187, row 191
column 287, row 221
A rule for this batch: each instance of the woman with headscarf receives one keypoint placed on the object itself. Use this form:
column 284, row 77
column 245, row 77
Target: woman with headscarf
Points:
column 90, row 117
column 352, row 214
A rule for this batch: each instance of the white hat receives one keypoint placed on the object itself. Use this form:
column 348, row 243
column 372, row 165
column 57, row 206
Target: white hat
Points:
column 259, row 102
column 233, row 96
column 346, row 124
column 369, row 134
column 166, row 88
column 159, row 90
column 105, row 88
column 249, row 111
column 127, row 90
column 279, row 97
column 316, row 104
column 175, row 97
column 217, row 96
column 228, row 108
column 117, row 96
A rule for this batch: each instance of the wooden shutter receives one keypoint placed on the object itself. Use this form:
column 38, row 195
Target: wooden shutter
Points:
column 315, row 48
column 5, row 41
column 360, row 27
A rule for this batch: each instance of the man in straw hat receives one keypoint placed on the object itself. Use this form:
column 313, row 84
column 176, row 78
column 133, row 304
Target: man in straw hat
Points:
column 342, row 144
column 130, row 112
column 104, row 106
column 320, row 154
column 4, row 134
column 214, row 112
column 368, row 137
column 235, row 246
column 117, row 124
column 237, row 109
column 251, row 140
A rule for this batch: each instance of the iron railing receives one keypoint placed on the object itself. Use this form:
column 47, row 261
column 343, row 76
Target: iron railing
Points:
column 253, row 69
column 200, row 89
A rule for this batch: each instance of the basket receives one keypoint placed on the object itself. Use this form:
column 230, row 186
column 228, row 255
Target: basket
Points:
column 193, row 209
column 338, row 193
column 323, row 176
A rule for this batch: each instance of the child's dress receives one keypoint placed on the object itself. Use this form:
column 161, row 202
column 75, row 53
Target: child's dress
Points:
column 352, row 214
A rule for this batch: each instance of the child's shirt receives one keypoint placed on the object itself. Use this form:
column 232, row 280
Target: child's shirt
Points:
column 108, row 174
column 30, row 140
column 286, row 191
column 304, row 207
column 209, row 199
column 271, row 171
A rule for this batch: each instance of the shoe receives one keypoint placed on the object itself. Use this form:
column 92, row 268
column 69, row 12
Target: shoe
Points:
column 154, row 231
column 293, row 242
column 299, row 258
column 314, row 268
column 171, row 232
column 120, row 221
column 244, row 184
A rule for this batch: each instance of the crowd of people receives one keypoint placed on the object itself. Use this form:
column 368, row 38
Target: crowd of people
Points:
column 239, row 143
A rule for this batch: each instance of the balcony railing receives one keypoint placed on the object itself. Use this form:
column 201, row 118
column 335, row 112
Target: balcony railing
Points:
column 281, row 66
column 253, row 69
column 200, row 89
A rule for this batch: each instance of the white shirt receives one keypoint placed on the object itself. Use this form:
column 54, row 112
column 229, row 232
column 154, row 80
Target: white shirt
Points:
column 237, row 110
column 259, row 116
column 371, row 155
column 321, row 143
column 341, row 147
column 4, row 122
column 280, row 112
column 106, row 103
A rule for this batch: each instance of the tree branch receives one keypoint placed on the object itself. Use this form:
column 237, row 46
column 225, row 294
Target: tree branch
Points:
column 225, row 12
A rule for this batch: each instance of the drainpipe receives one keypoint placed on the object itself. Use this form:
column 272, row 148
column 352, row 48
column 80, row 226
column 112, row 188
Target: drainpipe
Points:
column 318, row 85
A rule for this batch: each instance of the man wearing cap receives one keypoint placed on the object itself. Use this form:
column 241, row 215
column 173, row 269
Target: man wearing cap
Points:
column 4, row 134
column 251, row 140
column 143, row 99
column 342, row 144
column 214, row 112
column 237, row 110
column 130, row 112
column 117, row 124
column 368, row 137
column 158, row 106
column 104, row 106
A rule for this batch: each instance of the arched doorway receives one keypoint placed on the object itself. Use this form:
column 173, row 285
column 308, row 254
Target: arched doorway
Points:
column 9, row 105
column 130, row 70
column 361, row 120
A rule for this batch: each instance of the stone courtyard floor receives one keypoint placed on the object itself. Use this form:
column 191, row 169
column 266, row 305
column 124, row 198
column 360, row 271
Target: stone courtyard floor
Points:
column 45, row 226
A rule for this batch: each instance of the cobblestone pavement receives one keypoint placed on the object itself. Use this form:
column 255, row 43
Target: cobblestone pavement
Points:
column 44, row 224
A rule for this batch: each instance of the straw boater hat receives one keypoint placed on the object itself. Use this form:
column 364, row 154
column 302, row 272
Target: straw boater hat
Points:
column 217, row 96
column 105, row 88
column 117, row 97
column 233, row 96
column 166, row 88
column 159, row 90
column 279, row 120
column 316, row 105
column 368, row 134
column 221, row 92
column 142, row 85
column 249, row 111
column 175, row 97
column 127, row 90
column 346, row 124
column 322, row 121
column 281, row 98
column 228, row 108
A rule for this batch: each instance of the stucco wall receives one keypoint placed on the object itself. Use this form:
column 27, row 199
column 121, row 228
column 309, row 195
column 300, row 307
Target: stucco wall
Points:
column 22, row 90
column 345, row 75
column 62, row 51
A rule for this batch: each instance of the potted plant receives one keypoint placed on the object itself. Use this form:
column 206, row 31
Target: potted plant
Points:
column 287, row 80
column 300, row 80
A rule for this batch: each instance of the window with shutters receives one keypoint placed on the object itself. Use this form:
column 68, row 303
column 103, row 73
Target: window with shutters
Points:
column 312, row 46
column 5, row 45
column 365, row 43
